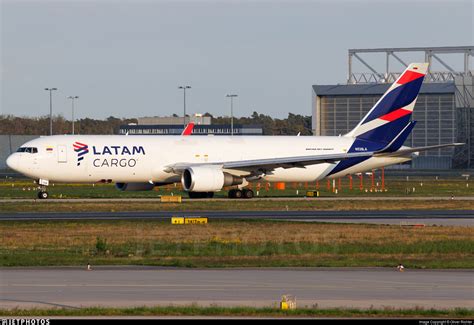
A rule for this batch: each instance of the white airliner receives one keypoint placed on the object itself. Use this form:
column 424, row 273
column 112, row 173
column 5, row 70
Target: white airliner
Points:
column 205, row 164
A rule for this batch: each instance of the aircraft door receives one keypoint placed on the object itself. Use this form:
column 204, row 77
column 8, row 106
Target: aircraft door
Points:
column 62, row 154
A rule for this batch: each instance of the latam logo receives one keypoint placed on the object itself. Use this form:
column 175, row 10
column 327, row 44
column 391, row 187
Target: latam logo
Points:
column 81, row 150
column 116, row 156
column 109, row 156
column 118, row 150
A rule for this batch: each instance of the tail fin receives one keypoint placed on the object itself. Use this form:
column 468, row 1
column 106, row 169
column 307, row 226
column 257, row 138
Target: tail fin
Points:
column 389, row 119
column 188, row 129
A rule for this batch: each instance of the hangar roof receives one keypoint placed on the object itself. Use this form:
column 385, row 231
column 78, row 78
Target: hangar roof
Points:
column 377, row 89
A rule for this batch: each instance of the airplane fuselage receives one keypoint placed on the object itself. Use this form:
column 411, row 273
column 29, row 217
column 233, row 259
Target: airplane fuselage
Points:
column 123, row 159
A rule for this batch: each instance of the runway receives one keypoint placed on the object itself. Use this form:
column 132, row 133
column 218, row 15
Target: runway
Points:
column 394, row 217
column 326, row 287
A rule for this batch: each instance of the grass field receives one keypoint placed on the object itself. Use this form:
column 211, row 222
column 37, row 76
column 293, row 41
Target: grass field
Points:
column 243, row 311
column 224, row 243
column 419, row 186
column 238, row 205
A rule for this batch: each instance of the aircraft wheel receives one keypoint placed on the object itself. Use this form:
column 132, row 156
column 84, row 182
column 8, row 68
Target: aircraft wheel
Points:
column 238, row 194
column 210, row 195
column 231, row 194
column 247, row 194
column 43, row 195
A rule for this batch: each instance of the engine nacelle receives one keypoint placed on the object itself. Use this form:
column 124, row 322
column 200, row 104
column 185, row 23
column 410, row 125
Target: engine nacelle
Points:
column 207, row 179
column 134, row 186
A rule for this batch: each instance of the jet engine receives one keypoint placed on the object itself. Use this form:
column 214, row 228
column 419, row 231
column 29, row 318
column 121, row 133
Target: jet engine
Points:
column 134, row 186
column 207, row 179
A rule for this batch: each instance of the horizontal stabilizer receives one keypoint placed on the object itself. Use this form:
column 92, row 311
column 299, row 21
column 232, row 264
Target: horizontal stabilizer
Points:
column 403, row 152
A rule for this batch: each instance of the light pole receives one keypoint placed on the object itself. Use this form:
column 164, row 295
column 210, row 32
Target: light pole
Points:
column 231, row 113
column 50, row 109
column 184, row 100
column 72, row 100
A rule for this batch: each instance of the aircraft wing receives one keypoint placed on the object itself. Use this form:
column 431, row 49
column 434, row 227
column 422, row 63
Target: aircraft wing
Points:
column 298, row 161
column 272, row 163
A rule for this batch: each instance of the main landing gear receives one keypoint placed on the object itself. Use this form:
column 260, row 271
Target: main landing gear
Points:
column 241, row 194
column 233, row 194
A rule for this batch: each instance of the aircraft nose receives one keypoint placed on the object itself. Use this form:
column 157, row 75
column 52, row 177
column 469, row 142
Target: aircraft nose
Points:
column 13, row 161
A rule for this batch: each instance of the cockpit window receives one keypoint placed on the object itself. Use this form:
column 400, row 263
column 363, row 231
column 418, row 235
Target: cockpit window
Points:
column 28, row 149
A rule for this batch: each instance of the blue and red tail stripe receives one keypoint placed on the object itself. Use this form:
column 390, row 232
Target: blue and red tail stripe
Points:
column 396, row 114
column 409, row 76
column 396, row 99
column 387, row 125
column 385, row 133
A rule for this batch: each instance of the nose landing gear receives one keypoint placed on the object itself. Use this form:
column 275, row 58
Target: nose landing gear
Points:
column 43, row 194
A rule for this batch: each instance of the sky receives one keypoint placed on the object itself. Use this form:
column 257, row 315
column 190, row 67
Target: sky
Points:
column 127, row 58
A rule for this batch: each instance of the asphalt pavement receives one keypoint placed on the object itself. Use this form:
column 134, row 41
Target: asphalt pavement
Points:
column 394, row 217
column 51, row 287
